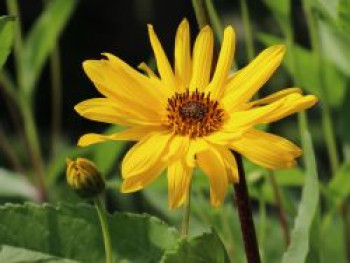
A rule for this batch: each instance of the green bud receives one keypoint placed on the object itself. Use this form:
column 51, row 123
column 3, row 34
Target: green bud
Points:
column 84, row 178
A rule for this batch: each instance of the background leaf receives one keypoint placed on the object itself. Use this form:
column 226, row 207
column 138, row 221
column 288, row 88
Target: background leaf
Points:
column 42, row 38
column 6, row 37
column 299, row 246
column 13, row 185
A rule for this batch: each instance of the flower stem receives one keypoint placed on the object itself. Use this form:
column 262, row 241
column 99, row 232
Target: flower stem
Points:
column 12, row 8
column 247, row 30
column 102, row 215
column 56, row 86
column 186, row 214
column 201, row 12
column 215, row 20
column 245, row 214
column 281, row 213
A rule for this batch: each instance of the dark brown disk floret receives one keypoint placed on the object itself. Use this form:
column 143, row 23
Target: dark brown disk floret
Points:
column 194, row 114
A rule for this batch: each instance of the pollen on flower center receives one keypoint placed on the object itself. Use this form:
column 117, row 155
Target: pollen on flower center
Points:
column 193, row 114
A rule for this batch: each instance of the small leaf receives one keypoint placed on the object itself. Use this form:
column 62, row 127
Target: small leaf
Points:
column 205, row 248
column 74, row 232
column 42, row 38
column 13, row 185
column 6, row 37
column 299, row 246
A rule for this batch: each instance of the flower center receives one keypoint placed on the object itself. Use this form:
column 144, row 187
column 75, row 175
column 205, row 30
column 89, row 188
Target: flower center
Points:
column 193, row 114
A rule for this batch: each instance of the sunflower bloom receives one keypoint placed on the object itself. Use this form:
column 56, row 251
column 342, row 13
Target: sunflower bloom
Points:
column 186, row 117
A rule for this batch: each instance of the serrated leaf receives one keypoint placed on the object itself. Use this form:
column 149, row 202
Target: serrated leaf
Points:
column 202, row 249
column 10, row 254
column 73, row 232
column 6, row 37
column 300, row 236
column 42, row 38
column 306, row 71
column 13, row 185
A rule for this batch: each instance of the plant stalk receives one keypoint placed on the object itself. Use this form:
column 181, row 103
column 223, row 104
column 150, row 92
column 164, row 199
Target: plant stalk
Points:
column 245, row 214
column 102, row 215
column 215, row 21
column 186, row 214
column 201, row 12
column 248, row 32
column 281, row 213
column 13, row 9
column 56, row 86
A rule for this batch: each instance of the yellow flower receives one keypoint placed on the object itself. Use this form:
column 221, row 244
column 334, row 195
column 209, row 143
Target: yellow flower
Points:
column 185, row 118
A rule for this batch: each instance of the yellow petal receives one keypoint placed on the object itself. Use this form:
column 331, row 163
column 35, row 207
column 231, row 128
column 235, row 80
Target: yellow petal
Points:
column 133, row 134
column 230, row 163
column 250, row 79
column 196, row 145
column 178, row 148
column 141, row 180
column 163, row 65
column 114, row 82
column 116, row 112
column 179, row 178
column 213, row 165
column 145, row 154
column 225, row 135
column 183, row 54
column 152, row 85
column 268, row 150
column 293, row 103
column 202, row 59
column 216, row 86
column 143, row 66
column 251, row 117
column 275, row 96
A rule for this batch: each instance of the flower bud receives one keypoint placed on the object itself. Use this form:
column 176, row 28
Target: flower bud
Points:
column 84, row 178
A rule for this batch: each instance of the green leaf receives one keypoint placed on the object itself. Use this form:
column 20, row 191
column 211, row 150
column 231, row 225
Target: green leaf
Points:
column 13, row 185
column 12, row 254
column 42, row 38
column 336, row 46
column 300, row 236
column 281, row 12
column 344, row 15
column 202, row 249
column 339, row 186
column 73, row 232
column 306, row 72
column 6, row 37
column 336, row 192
